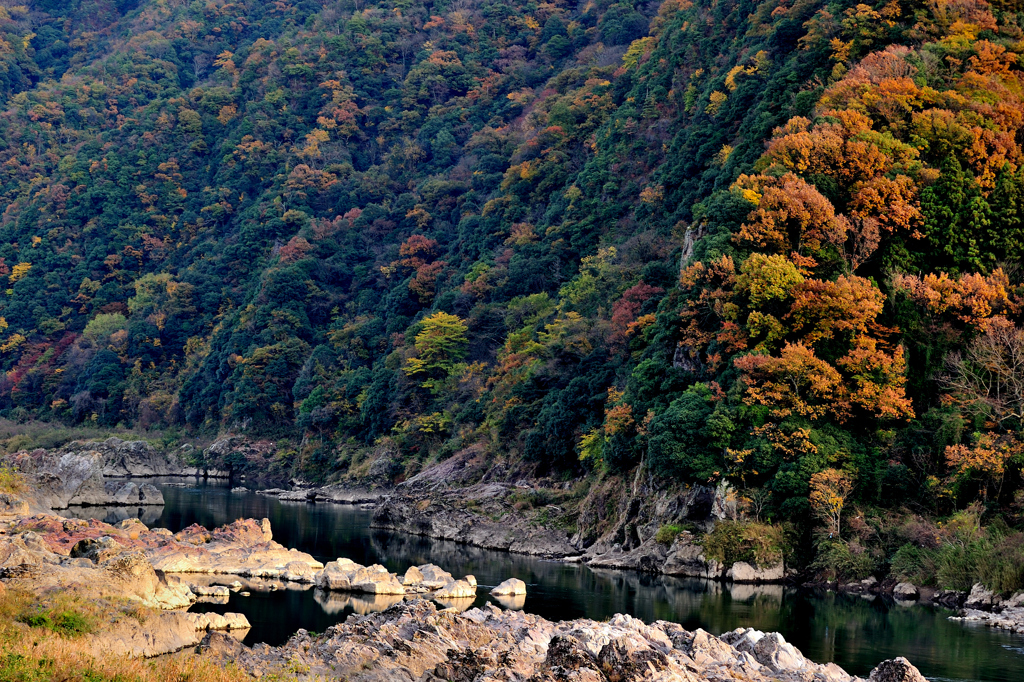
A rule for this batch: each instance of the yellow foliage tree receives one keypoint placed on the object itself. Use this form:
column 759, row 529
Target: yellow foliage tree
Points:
column 829, row 491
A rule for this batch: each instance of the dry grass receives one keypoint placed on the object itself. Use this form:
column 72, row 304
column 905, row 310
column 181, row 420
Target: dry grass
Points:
column 41, row 653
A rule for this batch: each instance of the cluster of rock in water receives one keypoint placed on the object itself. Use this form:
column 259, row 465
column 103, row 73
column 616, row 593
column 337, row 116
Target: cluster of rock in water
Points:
column 165, row 570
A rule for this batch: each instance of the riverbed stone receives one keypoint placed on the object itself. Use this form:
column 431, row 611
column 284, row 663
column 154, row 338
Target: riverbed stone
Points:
column 456, row 589
column 150, row 494
column 896, row 670
column 348, row 576
column 413, row 576
column 905, row 592
column 434, row 577
column 981, row 598
column 510, row 587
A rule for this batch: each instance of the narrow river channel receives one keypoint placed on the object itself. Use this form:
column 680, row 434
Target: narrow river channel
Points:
column 854, row 632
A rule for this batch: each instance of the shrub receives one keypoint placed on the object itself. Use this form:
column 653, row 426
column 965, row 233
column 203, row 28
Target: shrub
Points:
column 755, row 543
column 10, row 480
column 1001, row 568
column 667, row 534
column 914, row 564
column 840, row 560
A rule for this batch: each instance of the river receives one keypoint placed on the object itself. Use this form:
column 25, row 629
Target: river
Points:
column 854, row 632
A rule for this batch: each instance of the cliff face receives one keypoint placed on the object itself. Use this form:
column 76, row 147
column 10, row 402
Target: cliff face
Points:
column 608, row 524
column 78, row 474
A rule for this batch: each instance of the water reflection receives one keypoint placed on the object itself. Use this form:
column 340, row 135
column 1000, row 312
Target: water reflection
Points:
column 853, row 632
column 148, row 514
column 340, row 602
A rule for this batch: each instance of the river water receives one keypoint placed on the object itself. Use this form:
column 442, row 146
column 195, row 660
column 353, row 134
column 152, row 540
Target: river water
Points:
column 854, row 632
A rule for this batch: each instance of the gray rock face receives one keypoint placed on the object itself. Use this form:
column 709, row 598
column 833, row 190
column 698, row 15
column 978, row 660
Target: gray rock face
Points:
column 441, row 514
column 135, row 458
column 76, row 477
column 62, row 479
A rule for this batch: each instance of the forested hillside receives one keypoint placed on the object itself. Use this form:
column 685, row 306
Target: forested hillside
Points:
column 775, row 244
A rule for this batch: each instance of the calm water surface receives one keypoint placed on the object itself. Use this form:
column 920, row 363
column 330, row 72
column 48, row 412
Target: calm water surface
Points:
column 853, row 632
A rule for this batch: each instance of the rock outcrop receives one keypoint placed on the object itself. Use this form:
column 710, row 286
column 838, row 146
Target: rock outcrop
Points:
column 100, row 567
column 415, row 641
column 76, row 477
column 244, row 548
column 132, row 459
column 442, row 513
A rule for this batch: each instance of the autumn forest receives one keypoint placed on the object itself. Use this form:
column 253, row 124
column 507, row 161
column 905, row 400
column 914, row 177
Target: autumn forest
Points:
column 769, row 247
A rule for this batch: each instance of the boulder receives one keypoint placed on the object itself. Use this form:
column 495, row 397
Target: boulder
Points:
column 742, row 572
column 774, row 651
column 896, row 670
column 981, row 599
column 471, row 579
column 220, row 646
column 457, row 589
column 126, row 493
column 150, row 494
column 96, row 550
column 413, row 576
column 510, row 587
column 345, row 575
column 434, row 577
column 298, row 572
column 905, row 592
column 770, row 650
column 686, row 559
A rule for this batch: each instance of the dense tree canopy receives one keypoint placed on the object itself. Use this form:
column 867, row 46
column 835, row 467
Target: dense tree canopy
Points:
column 739, row 241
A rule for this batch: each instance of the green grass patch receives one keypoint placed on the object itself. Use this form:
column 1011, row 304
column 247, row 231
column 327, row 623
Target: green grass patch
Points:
column 66, row 622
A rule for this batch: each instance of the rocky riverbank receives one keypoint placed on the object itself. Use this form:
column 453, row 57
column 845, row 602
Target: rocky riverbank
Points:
column 616, row 527
column 420, row 633
column 417, row 641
